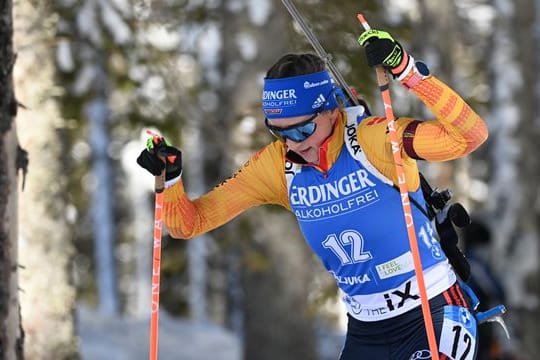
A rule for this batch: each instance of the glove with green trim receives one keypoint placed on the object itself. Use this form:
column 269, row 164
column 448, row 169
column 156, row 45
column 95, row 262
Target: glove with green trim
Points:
column 382, row 49
column 157, row 150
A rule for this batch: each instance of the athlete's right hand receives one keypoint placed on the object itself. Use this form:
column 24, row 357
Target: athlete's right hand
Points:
column 158, row 150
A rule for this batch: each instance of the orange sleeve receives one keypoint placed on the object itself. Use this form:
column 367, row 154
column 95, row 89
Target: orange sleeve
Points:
column 458, row 129
column 259, row 181
column 456, row 132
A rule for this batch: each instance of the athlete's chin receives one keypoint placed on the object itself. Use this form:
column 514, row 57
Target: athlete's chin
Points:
column 309, row 156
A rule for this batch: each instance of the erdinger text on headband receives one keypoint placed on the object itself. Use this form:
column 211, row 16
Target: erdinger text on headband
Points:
column 298, row 95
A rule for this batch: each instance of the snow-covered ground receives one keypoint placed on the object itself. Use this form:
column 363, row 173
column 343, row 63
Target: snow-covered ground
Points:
column 119, row 338
column 115, row 338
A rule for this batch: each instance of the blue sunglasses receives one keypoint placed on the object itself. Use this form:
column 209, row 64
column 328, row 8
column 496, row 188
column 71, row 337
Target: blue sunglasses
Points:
column 297, row 132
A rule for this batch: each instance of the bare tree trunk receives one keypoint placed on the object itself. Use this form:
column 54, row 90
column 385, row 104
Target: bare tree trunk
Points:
column 86, row 72
column 526, row 233
column 197, row 248
column 513, row 185
column 11, row 334
column 46, row 244
column 102, row 209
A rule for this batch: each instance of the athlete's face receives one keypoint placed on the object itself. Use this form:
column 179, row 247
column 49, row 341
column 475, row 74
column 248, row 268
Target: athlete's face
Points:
column 308, row 148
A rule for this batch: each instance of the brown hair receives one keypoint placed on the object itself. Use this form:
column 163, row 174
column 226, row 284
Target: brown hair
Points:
column 295, row 64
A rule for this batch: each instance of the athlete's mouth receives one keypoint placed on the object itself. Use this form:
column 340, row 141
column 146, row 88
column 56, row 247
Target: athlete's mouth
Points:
column 302, row 152
column 299, row 151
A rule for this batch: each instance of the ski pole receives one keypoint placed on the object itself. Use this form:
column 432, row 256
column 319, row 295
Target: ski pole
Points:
column 159, row 186
column 383, row 82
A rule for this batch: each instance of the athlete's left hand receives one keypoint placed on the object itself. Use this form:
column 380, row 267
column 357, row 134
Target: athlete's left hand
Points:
column 382, row 49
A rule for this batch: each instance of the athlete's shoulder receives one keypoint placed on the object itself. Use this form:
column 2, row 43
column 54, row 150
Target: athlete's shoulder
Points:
column 267, row 164
column 273, row 152
column 373, row 125
column 372, row 129
column 373, row 122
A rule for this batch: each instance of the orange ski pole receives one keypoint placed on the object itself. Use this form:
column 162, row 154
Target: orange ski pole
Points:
column 159, row 186
column 383, row 82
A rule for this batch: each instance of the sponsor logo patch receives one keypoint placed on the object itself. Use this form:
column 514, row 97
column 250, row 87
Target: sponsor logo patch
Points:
column 398, row 266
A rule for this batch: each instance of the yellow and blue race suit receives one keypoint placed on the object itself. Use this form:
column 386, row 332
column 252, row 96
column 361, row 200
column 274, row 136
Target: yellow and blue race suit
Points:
column 347, row 209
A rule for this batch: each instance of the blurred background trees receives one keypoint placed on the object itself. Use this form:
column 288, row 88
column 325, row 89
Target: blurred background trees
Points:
column 94, row 74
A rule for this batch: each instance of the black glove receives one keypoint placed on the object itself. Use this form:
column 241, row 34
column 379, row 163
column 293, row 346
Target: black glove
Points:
column 150, row 160
column 382, row 49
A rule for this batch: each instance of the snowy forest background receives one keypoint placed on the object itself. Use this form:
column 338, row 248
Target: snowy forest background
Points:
column 82, row 79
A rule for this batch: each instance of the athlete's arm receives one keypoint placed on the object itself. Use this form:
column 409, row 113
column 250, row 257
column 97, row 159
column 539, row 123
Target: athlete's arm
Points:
column 260, row 181
column 456, row 132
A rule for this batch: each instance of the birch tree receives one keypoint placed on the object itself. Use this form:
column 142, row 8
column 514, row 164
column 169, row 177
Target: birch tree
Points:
column 46, row 241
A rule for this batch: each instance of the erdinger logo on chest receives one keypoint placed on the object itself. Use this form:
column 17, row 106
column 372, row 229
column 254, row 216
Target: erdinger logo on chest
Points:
column 349, row 193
